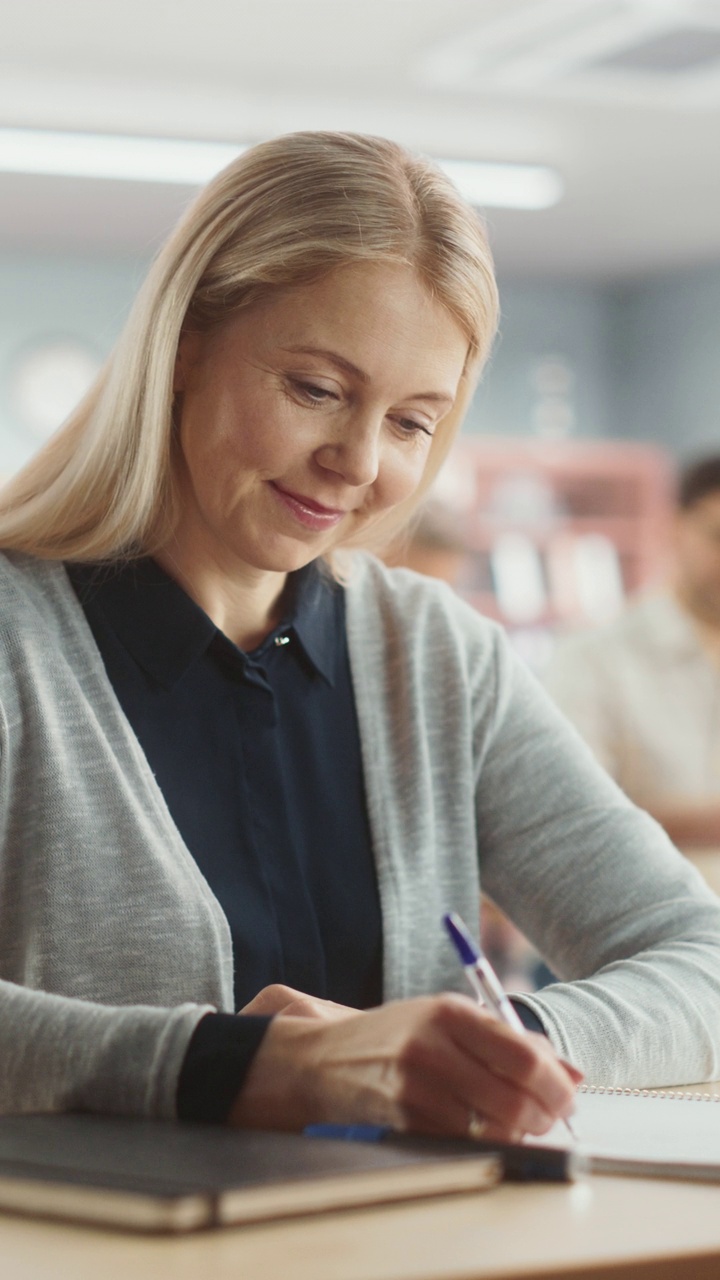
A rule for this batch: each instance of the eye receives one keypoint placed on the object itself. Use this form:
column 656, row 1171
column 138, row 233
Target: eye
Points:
column 411, row 427
column 311, row 392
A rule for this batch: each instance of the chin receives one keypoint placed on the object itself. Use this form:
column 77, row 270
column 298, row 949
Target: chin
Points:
column 283, row 561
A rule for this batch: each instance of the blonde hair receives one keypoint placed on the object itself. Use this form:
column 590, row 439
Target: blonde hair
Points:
column 283, row 214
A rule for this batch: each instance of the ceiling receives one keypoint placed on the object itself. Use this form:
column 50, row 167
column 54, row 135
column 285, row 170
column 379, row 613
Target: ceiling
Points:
column 621, row 96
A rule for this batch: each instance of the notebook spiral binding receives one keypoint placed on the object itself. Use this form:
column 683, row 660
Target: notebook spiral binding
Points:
column 620, row 1092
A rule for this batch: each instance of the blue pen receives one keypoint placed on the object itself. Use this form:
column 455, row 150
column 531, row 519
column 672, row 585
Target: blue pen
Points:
column 522, row 1163
column 483, row 978
column 480, row 973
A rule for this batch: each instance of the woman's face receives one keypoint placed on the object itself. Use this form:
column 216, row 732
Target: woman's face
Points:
column 305, row 418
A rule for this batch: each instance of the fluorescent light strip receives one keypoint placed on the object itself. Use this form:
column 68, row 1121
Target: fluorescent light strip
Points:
column 505, row 186
column 189, row 163
column 96, row 155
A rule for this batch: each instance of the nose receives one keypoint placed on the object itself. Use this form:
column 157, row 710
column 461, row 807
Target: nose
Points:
column 354, row 452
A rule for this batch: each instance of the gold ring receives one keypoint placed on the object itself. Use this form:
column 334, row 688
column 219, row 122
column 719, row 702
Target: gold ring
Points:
column 476, row 1125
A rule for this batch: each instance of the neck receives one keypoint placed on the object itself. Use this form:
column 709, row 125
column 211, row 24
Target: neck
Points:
column 244, row 607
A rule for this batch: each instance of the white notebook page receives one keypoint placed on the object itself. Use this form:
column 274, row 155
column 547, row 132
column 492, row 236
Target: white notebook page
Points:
column 663, row 1127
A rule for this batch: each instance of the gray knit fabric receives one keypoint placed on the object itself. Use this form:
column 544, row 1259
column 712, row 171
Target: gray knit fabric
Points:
column 112, row 945
column 468, row 764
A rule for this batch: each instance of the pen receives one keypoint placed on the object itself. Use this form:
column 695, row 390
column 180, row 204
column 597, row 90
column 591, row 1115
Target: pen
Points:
column 521, row 1163
column 484, row 980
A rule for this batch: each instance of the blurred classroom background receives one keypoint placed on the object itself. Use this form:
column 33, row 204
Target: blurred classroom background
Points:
column 586, row 130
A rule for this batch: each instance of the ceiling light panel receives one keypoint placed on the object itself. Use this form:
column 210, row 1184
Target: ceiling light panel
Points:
column 653, row 51
column 505, row 186
column 94, row 155
column 192, row 163
column 670, row 53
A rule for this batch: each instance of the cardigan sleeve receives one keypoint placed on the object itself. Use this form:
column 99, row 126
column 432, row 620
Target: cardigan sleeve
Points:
column 594, row 882
column 217, row 1061
column 58, row 1053
column 476, row 781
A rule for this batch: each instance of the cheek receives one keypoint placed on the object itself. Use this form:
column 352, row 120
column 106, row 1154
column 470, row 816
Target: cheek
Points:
column 402, row 472
column 215, row 466
column 218, row 444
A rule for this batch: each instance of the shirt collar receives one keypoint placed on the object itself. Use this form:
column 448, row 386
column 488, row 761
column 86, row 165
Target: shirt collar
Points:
column 166, row 631
column 314, row 601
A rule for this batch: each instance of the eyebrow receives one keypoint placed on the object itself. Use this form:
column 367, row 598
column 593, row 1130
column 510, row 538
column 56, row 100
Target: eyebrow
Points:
column 439, row 397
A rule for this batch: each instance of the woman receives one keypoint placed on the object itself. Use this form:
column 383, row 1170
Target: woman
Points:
column 246, row 767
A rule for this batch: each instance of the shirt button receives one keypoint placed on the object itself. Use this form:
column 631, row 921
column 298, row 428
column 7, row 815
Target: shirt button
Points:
column 281, row 640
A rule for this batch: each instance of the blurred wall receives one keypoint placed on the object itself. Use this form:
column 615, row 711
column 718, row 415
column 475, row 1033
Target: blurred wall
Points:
column 44, row 300
column 637, row 361
column 665, row 360
column 543, row 325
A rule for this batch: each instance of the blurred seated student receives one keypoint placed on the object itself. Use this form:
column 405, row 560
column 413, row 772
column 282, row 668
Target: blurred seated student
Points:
column 431, row 545
column 644, row 691
column 245, row 767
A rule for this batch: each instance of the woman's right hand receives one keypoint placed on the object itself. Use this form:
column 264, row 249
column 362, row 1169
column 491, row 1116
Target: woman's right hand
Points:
column 428, row 1064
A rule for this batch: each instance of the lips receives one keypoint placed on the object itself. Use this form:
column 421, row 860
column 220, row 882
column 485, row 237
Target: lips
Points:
column 308, row 512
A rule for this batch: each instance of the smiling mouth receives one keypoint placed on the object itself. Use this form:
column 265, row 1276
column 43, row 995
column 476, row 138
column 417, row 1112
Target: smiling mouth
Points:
column 310, row 514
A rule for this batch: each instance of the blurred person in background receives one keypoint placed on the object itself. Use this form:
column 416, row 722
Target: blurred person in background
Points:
column 644, row 691
column 432, row 545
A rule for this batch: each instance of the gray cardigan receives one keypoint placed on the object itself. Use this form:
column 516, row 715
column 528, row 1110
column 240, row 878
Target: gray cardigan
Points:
column 112, row 946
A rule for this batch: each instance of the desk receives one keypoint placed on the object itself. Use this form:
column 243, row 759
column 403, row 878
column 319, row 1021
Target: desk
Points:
column 599, row 1228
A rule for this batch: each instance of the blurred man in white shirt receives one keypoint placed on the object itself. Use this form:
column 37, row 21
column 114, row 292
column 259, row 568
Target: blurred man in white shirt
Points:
column 645, row 690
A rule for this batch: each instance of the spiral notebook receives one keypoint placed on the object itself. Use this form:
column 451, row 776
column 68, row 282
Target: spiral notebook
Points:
column 662, row 1133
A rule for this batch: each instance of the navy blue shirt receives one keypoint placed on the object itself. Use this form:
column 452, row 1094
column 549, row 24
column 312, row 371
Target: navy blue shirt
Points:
column 258, row 758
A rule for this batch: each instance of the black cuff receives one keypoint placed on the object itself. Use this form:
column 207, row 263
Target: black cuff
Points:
column 217, row 1060
column 530, row 1020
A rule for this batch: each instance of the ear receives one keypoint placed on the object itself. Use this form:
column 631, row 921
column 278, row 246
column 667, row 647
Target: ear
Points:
column 187, row 356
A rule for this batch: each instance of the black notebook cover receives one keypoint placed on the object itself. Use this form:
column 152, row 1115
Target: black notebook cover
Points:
column 156, row 1175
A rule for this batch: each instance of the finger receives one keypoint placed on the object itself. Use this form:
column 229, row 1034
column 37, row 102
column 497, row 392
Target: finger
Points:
column 311, row 1007
column 509, row 1108
column 505, row 1106
column 490, row 1132
column 287, row 1001
column 436, row 1076
column 424, row 1113
column 271, row 999
column 511, row 1090
column 576, row 1075
column 527, row 1060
